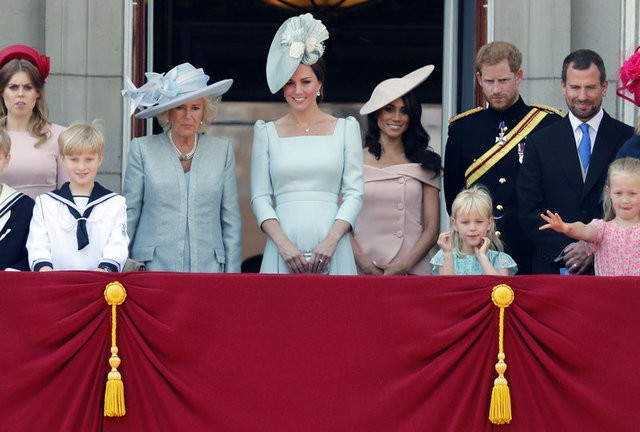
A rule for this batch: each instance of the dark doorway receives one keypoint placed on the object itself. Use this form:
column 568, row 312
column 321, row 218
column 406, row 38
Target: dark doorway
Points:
column 367, row 44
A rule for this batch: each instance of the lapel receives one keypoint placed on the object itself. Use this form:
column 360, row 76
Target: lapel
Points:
column 8, row 198
column 567, row 154
column 171, row 158
column 207, row 166
column 202, row 167
column 602, row 154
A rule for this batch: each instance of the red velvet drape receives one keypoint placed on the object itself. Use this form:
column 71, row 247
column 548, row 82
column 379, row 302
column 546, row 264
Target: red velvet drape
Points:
column 299, row 353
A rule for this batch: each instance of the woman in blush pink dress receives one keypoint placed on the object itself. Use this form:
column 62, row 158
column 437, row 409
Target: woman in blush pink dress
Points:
column 400, row 216
column 35, row 166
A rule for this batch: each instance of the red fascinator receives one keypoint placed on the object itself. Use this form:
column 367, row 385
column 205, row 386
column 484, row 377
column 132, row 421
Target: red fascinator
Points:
column 630, row 78
column 41, row 61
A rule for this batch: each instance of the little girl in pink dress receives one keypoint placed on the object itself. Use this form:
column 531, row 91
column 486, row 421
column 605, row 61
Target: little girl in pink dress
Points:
column 614, row 240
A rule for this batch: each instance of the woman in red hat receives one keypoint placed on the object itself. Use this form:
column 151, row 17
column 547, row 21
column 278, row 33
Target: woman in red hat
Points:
column 35, row 166
column 630, row 90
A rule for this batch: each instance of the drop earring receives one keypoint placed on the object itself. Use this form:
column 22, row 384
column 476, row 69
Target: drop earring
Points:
column 318, row 93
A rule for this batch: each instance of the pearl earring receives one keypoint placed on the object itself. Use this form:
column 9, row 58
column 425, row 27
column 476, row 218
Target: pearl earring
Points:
column 318, row 93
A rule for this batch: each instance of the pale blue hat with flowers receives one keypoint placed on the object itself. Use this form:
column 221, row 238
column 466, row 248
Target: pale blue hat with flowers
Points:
column 299, row 39
column 161, row 92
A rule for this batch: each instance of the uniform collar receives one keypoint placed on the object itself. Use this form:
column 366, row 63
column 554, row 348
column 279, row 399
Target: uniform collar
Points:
column 514, row 113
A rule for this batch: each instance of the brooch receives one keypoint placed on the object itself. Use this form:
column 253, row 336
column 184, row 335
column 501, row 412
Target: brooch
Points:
column 501, row 139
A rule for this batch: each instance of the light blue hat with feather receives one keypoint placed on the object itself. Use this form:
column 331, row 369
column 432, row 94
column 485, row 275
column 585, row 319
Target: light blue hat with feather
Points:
column 161, row 92
column 299, row 39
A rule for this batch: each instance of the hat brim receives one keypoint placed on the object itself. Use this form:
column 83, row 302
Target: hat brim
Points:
column 280, row 66
column 389, row 90
column 214, row 90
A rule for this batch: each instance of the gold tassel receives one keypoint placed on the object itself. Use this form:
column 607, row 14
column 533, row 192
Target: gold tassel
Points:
column 115, row 294
column 500, row 408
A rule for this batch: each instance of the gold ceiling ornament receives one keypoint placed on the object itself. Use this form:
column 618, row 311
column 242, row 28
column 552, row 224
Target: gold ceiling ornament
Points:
column 306, row 5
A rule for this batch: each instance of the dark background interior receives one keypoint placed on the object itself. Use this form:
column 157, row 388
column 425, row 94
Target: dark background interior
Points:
column 368, row 43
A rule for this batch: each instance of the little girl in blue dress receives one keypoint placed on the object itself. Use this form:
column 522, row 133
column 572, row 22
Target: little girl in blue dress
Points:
column 472, row 246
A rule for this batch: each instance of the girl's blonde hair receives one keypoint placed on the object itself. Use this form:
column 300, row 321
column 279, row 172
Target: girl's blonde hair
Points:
column 474, row 200
column 626, row 165
column 82, row 138
column 209, row 106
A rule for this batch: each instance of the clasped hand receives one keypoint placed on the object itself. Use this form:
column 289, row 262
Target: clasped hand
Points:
column 315, row 261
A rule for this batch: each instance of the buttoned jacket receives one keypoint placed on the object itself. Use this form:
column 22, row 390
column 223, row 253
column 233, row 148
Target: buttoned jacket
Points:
column 160, row 202
column 551, row 179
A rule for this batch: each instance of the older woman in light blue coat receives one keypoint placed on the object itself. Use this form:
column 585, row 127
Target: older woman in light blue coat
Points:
column 180, row 185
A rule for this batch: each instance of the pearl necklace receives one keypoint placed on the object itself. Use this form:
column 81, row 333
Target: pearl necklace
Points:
column 184, row 156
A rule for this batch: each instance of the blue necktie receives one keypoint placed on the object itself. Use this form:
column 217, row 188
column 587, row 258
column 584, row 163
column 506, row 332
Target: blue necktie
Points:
column 584, row 149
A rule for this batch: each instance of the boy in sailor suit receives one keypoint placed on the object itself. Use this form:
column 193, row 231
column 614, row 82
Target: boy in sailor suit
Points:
column 15, row 214
column 82, row 225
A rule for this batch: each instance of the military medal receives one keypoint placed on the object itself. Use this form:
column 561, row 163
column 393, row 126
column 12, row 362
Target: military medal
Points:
column 501, row 139
column 520, row 151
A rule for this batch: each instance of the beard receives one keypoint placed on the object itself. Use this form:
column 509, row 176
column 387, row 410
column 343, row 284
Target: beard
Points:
column 503, row 101
column 584, row 114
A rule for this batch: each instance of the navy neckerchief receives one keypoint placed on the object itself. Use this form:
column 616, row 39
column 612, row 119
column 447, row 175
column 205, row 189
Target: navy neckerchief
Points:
column 98, row 195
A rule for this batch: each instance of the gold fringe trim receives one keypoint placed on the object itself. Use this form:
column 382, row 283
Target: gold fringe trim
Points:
column 114, row 294
column 500, row 407
column 466, row 113
column 548, row 108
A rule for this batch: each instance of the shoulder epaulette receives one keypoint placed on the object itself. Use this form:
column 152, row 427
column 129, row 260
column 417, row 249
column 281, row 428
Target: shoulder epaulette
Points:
column 549, row 109
column 466, row 113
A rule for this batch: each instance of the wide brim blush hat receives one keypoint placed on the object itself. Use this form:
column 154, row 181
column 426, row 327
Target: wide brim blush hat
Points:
column 41, row 61
column 299, row 39
column 389, row 90
column 161, row 92
column 630, row 79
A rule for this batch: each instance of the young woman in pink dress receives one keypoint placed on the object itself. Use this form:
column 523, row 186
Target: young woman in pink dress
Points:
column 614, row 240
column 400, row 216
column 35, row 166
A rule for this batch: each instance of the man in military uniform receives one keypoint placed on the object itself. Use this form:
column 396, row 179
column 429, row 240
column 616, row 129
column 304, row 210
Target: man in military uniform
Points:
column 486, row 145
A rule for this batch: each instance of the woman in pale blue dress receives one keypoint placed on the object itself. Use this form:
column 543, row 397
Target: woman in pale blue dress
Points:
column 306, row 167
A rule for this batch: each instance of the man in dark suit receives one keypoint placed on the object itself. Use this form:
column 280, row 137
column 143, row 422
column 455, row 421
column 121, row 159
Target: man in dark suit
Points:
column 565, row 166
column 500, row 132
